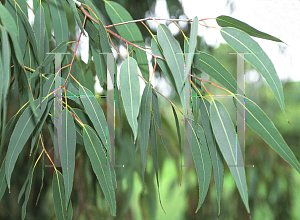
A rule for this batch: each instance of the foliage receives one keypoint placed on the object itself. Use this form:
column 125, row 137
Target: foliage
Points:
column 27, row 62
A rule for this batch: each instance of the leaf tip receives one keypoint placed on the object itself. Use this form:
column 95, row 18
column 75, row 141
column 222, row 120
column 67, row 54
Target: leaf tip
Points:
column 249, row 215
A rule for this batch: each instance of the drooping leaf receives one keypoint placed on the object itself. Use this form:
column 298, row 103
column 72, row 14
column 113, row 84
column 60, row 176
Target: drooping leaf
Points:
column 157, row 50
column 242, row 42
column 227, row 21
column 70, row 211
column 226, row 138
column 210, row 65
column 95, row 112
column 39, row 30
column 144, row 126
column 48, row 22
column 192, row 46
column 215, row 154
column 75, row 12
column 2, row 180
column 178, row 134
column 98, row 160
column 11, row 27
column 130, row 32
column 59, row 20
column 173, row 55
column 201, row 156
column 100, row 65
column 23, row 129
column 259, row 122
column 130, row 92
column 59, row 195
column 67, row 153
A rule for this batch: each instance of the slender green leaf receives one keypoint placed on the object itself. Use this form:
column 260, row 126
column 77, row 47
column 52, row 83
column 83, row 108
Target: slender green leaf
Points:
column 215, row 154
column 59, row 20
column 67, row 153
column 144, row 127
column 201, row 159
column 192, row 46
column 23, row 130
column 48, row 22
column 259, row 122
column 174, row 56
column 98, row 160
column 70, row 212
column 11, row 27
column 157, row 50
column 2, row 180
column 59, row 195
column 242, row 42
column 226, row 138
column 130, row 92
column 95, row 112
column 210, row 65
column 39, row 30
column 75, row 12
column 130, row 32
column 100, row 65
column 227, row 21
column 178, row 134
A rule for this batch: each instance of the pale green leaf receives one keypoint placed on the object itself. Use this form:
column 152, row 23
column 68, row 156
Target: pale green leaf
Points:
column 2, row 180
column 144, row 126
column 59, row 195
column 226, row 138
column 39, row 30
column 95, row 112
column 242, row 42
column 215, row 154
column 59, row 21
column 67, row 153
column 98, row 160
column 130, row 32
column 11, row 27
column 227, row 21
column 259, row 122
column 130, row 92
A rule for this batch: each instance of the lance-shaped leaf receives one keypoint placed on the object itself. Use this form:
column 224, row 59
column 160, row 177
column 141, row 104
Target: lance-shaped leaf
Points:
column 242, row 42
column 226, row 138
column 210, row 65
column 215, row 154
column 157, row 50
column 59, row 195
column 67, row 153
column 227, row 21
column 192, row 46
column 75, row 12
column 2, row 180
column 259, row 122
column 24, row 127
column 11, row 27
column 144, row 127
column 201, row 157
column 173, row 55
column 95, row 112
column 130, row 32
column 39, row 30
column 98, row 160
column 59, row 20
column 130, row 92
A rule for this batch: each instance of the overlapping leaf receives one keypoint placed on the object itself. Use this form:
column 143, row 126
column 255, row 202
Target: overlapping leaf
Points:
column 227, row 21
column 192, row 46
column 39, row 30
column 144, row 125
column 242, row 42
column 59, row 20
column 24, row 127
column 201, row 159
column 130, row 32
column 259, row 122
column 98, row 160
column 11, row 27
column 59, row 195
column 226, row 138
column 215, row 154
column 173, row 55
column 67, row 153
column 130, row 92
column 95, row 112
